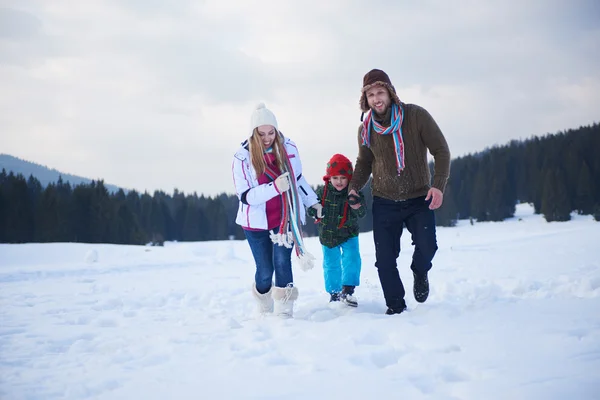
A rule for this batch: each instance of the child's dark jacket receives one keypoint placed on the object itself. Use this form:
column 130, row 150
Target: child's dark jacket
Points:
column 330, row 233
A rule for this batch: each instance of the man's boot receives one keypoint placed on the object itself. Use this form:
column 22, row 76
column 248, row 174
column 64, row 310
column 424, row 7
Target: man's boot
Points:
column 421, row 287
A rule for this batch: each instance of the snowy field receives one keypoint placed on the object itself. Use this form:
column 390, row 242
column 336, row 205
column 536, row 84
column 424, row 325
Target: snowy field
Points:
column 514, row 313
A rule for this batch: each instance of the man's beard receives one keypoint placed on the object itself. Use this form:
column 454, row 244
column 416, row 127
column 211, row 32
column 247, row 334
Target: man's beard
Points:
column 383, row 113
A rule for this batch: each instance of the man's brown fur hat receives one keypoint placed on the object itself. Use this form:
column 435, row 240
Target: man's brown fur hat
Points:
column 376, row 77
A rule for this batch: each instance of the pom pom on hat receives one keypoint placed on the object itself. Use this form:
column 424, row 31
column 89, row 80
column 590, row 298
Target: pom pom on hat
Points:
column 262, row 116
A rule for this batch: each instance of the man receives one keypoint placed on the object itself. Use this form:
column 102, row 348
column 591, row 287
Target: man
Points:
column 393, row 141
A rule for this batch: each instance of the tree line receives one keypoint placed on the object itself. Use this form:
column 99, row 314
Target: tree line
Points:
column 558, row 174
column 89, row 213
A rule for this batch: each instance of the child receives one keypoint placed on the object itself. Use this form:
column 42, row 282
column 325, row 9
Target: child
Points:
column 338, row 231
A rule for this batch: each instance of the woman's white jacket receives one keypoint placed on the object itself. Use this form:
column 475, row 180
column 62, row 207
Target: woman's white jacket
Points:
column 254, row 196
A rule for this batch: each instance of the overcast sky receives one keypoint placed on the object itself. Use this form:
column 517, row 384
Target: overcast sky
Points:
column 151, row 94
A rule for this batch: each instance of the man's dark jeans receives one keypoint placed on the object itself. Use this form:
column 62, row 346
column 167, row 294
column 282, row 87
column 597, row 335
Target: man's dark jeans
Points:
column 269, row 258
column 389, row 218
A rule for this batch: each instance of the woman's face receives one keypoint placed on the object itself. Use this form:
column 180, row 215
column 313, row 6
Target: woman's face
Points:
column 267, row 134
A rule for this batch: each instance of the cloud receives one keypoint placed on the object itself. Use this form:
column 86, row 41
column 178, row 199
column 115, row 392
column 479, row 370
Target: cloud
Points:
column 157, row 95
column 18, row 25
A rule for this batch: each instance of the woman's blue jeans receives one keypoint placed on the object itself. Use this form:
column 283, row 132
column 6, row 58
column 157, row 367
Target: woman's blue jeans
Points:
column 269, row 258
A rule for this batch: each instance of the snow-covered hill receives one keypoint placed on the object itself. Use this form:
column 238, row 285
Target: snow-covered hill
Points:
column 513, row 314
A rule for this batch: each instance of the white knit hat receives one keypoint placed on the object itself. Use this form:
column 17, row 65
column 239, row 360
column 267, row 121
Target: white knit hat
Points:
column 262, row 116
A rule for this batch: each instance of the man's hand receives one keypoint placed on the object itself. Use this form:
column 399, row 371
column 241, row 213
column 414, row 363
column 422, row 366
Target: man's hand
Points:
column 437, row 198
column 357, row 205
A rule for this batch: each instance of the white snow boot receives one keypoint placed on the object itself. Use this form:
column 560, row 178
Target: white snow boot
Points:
column 264, row 300
column 284, row 300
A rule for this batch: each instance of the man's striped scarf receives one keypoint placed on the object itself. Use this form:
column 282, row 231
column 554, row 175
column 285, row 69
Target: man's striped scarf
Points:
column 290, row 228
column 395, row 129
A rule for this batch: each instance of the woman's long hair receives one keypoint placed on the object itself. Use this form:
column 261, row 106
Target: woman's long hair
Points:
column 257, row 152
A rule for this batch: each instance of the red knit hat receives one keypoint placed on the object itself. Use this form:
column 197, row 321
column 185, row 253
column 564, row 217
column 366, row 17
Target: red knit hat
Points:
column 339, row 165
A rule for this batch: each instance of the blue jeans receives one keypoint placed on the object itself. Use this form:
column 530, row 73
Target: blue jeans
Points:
column 269, row 258
column 341, row 265
column 389, row 218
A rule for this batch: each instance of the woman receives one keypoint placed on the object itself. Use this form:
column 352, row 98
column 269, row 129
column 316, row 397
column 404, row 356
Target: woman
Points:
column 267, row 174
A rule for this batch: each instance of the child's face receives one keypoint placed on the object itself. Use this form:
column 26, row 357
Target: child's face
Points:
column 339, row 182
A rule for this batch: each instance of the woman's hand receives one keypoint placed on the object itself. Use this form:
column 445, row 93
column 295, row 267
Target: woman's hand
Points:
column 282, row 183
column 319, row 208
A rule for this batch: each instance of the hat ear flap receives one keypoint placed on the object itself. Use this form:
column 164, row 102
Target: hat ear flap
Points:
column 364, row 106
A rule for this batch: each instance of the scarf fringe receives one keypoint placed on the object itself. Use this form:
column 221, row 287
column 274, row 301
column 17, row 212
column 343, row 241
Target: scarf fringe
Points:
column 282, row 239
column 307, row 261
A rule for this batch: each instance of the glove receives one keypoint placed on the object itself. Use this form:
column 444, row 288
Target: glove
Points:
column 282, row 183
column 353, row 199
column 319, row 208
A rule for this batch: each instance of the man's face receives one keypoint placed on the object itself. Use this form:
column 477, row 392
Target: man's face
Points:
column 378, row 99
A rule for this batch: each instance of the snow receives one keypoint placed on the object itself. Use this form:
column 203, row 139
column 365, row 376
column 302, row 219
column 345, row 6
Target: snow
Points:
column 513, row 314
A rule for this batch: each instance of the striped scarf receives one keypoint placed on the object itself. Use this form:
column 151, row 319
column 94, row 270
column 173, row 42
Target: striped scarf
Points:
column 395, row 129
column 290, row 228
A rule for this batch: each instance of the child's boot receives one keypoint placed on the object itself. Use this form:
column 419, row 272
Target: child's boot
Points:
column 347, row 296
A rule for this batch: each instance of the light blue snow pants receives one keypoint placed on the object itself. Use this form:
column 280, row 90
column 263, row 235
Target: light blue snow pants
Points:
column 341, row 265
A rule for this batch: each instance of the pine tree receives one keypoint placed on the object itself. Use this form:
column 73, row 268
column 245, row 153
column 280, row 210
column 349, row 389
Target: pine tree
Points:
column 218, row 219
column 101, row 213
column 126, row 228
column 597, row 212
column 446, row 214
column 180, row 211
column 19, row 221
column 585, row 199
column 82, row 213
column 480, row 196
column 3, row 209
column 191, row 224
column 64, row 194
column 158, row 220
column 555, row 202
column 47, row 216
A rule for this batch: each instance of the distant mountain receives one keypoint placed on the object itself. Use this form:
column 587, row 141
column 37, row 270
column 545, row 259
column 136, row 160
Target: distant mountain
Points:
column 43, row 174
